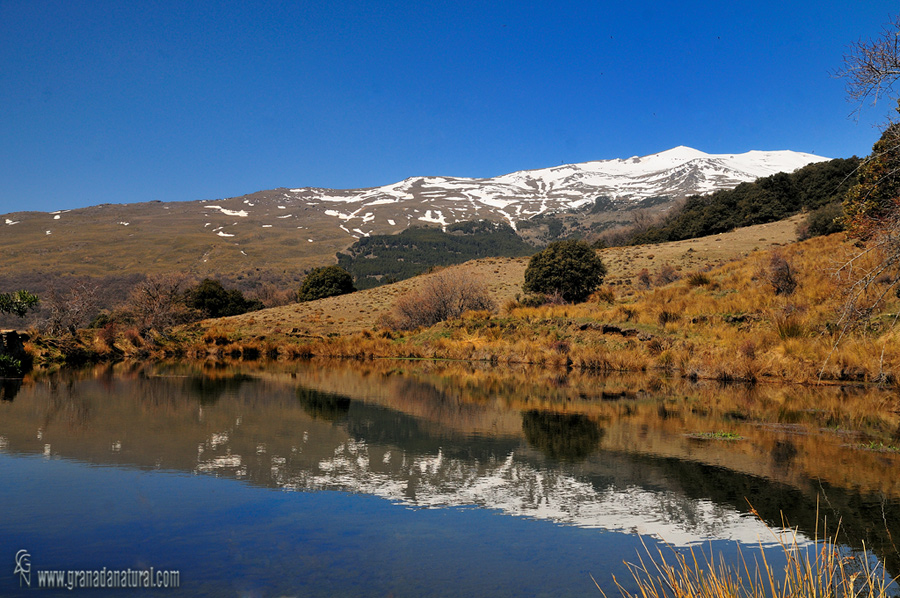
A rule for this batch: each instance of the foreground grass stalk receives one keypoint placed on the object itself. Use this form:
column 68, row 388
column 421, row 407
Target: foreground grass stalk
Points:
column 815, row 571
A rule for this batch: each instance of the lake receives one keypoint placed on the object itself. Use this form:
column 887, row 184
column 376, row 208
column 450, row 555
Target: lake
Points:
column 395, row 478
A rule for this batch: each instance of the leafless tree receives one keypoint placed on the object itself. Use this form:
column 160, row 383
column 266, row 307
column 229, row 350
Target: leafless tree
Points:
column 72, row 308
column 872, row 66
column 442, row 297
column 157, row 303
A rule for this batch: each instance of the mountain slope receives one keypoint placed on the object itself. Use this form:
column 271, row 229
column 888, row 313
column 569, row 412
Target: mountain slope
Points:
column 288, row 230
column 503, row 277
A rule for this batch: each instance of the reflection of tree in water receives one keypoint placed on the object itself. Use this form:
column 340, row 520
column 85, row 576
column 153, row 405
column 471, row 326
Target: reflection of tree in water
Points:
column 209, row 390
column 323, row 405
column 784, row 453
column 561, row 436
column 66, row 405
column 9, row 388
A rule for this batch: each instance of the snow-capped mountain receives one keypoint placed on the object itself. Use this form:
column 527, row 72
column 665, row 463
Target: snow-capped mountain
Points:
column 676, row 173
column 290, row 229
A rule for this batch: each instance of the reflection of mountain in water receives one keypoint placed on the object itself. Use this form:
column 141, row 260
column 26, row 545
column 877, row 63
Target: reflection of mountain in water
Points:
column 284, row 432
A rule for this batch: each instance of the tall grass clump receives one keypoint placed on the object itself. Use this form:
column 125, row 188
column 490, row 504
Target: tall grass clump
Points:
column 819, row 570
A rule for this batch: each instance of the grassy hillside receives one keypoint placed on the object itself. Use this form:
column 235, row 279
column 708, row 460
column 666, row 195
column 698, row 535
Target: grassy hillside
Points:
column 700, row 308
column 504, row 276
column 722, row 319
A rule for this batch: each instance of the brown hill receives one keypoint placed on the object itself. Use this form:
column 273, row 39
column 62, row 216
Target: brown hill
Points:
column 503, row 277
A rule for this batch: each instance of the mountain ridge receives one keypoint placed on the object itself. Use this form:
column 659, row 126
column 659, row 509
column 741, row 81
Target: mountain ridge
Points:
column 289, row 230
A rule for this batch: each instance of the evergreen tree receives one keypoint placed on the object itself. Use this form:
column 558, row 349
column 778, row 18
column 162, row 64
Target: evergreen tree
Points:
column 571, row 268
column 876, row 196
column 214, row 301
column 327, row 281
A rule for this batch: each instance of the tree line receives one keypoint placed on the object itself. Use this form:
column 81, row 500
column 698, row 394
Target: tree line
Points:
column 816, row 188
column 380, row 259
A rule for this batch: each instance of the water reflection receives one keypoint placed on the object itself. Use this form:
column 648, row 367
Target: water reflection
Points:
column 208, row 390
column 561, row 436
column 608, row 453
column 9, row 388
column 323, row 405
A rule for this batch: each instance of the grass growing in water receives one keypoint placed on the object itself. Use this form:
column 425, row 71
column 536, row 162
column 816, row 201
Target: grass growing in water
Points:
column 716, row 436
column 815, row 571
column 880, row 447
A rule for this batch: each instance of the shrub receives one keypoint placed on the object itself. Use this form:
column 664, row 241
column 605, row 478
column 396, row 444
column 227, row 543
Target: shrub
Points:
column 570, row 268
column 781, row 275
column 157, row 303
column 698, row 279
column 107, row 334
column 18, row 303
column 10, row 366
column 666, row 316
column 534, row 301
column 824, row 221
column 603, row 295
column 327, row 281
column 787, row 325
column 443, row 296
column 643, row 278
column 667, row 273
column 214, row 301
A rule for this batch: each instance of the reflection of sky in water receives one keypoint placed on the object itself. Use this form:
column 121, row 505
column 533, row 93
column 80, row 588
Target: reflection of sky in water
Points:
column 231, row 538
column 403, row 498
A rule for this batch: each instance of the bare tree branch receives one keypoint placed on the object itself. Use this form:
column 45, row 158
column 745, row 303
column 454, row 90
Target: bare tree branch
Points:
column 872, row 67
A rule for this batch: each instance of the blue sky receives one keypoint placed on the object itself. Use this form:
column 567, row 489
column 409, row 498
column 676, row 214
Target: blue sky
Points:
column 120, row 102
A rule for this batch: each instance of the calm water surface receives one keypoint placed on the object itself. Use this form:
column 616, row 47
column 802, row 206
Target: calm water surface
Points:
column 396, row 479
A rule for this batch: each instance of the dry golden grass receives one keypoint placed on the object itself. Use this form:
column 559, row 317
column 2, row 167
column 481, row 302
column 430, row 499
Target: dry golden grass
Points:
column 820, row 570
column 359, row 311
column 725, row 321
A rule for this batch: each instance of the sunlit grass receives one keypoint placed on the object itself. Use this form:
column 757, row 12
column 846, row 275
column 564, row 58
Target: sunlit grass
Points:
column 819, row 570
column 726, row 323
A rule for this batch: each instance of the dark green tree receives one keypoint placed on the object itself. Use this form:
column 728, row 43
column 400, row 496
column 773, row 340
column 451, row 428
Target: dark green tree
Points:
column 876, row 196
column 18, row 303
column 571, row 268
column 214, row 301
column 327, row 281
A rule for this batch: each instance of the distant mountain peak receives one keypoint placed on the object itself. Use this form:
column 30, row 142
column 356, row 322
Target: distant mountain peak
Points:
column 681, row 152
column 514, row 198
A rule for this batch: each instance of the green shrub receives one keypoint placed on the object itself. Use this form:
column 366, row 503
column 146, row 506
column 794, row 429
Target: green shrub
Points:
column 570, row 268
column 18, row 303
column 824, row 221
column 214, row 301
column 327, row 281
column 10, row 366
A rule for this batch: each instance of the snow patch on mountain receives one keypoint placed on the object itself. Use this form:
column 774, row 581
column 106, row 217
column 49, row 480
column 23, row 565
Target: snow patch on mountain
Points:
column 239, row 213
column 517, row 196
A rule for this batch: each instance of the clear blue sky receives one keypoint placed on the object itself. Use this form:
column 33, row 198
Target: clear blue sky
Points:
column 120, row 101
